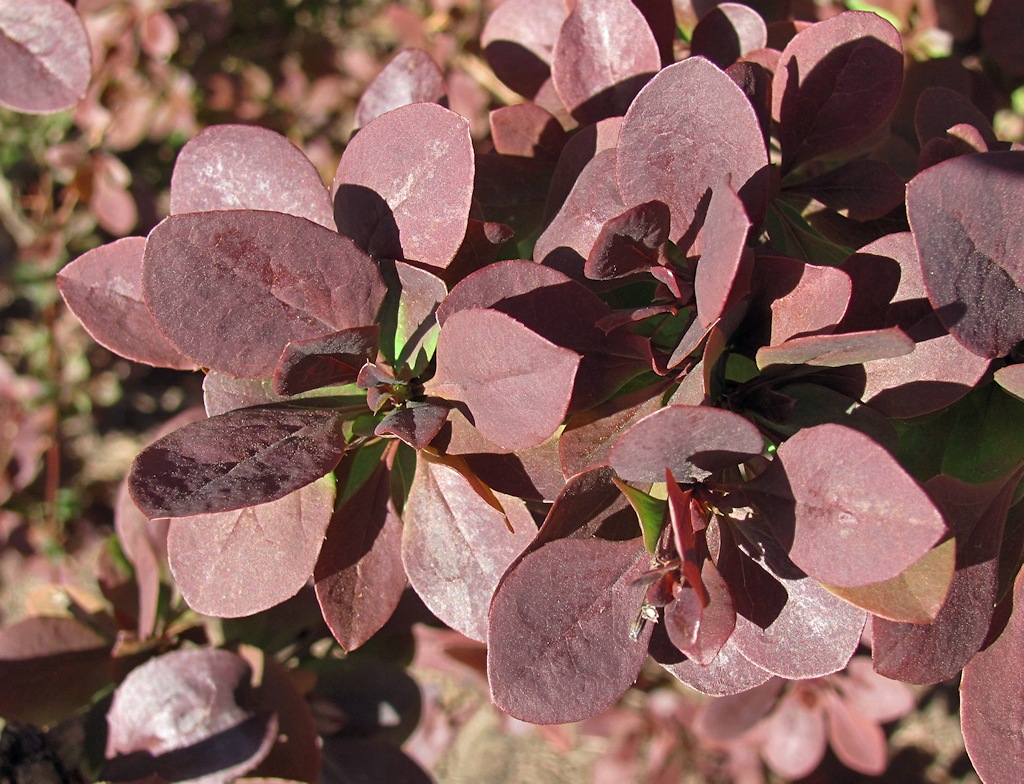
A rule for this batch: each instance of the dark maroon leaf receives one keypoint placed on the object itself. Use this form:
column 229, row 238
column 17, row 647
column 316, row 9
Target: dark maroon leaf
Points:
column 992, row 701
column 359, row 577
column 727, row 32
column 558, row 642
column 631, row 242
column 331, row 359
column 456, row 545
column 415, row 423
column 231, row 564
column 940, row 108
column 515, row 384
column 1001, row 31
column 604, row 54
column 411, row 76
column 857, row 516
column 244, row 167
column 815, row 634
column 755, row 80
column 357, row 760
column 848, row 348
column 518, row 41
column 238, row 459
column 836, row 83
column 255, row 282
column 688, row 130
column 590, row 505
column 862, row 190
column 177, row 716
column 970, row 242
column 690, row 441
column 934, row 652
column 940, row 370
column 729, row 673
column 405, row 182
column 45, row 51
column 103, row 288
column 526, row 130
column 720, row 279
column 50, row 668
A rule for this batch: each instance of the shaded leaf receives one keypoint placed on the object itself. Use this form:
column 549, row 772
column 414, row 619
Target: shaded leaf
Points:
column 727, row 32
column 518, row 41
column 862, row 190
column 720, row 279
column 325, row 361
column 238, row 459
column 730, row 672
column 629, row 243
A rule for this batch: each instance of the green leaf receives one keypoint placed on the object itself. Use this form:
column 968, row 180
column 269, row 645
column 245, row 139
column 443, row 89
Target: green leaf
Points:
column 860, row 5
column 649, row 510
column 791, row 235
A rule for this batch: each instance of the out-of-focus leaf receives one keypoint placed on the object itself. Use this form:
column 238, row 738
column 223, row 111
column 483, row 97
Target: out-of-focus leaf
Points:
column 103, row 288
column 255, row 281
column 231, row 564
column 411, row 76
column 45, row 51
column 244, row 167
column 238, row 459
column 971, row 245
column 1001, row 31
column 558, row 642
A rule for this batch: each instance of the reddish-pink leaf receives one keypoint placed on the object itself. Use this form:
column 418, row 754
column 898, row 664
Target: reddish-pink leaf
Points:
column 604, row 54
column 873, row 695
column 581, row 148
column 244, row 457
column 992, row 702
column 730, row 717
column 971, row 245
column 815, row 634
column 456, row 546
column 46, row 57
column 230, row 564
column 711, row 625
column 931, row 653
column 405, row 183
column 858, row 516
column 518, row 41
column 559, row 648
column 848, row 348
column 688, row 130
column 729, row 673
column 244, row 167
column 103, row 288
column 411, row 76
column 793, row 739
column 516, row 384
column 177, row 716
column 690, row 441
column 836, row 83
column 232, row 289
column 359, row 576
column 526, row 130
column 858, row 742
column 50, row 668
column 727, row 32
column 719, row 280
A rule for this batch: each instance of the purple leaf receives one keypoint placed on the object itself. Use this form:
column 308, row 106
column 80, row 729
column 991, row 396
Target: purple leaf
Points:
column 45, row 51
column 232, row 289
column 604, row 54
column 416, row 423
column 50, row 668
column 103, row 288
column 456, row 545
column 411, row 76
column 727, row 32
column 815, row 634
column 526, row 130
column 690, row 441
column 992, row 701
column 515, row 384
column 848, row 348
column 243, row 167
column 689, row 129
column 629, row 243
column 1001, row 31
column 323, row 361
column 518, row 41
column 559, row 648
column 705, row 629
column 579, row 150
column 719, row 280
column 177, row 716
column 231, row 564
column 836, row 83
column 405, row 184
column 238, row 459
column 971, row 244
column 729, row 673
column 940, row 108
column 359, row 577
column 862, row 190
column 937, row 651
column 857, row 516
